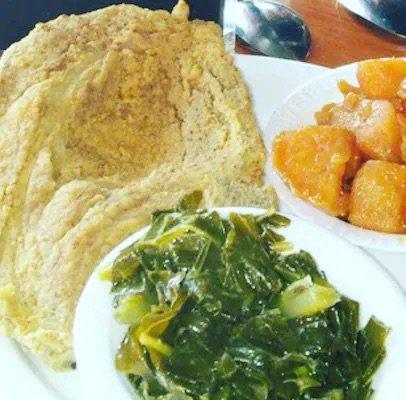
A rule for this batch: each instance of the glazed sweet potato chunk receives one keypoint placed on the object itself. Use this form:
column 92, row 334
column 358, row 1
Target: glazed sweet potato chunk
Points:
column 314, row 162
column 374, row 123
column 402, row 123
column 381, row 79
column 378, row 197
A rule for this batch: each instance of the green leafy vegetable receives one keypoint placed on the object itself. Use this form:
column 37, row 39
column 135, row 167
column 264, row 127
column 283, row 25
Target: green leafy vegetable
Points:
column 303, row 298
column 219, row 309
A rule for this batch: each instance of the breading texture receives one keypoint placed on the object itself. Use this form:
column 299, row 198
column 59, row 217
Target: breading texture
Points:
column 104, row 118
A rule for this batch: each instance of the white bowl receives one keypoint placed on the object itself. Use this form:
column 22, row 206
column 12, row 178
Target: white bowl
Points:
column 97, row 335
column 296, row 112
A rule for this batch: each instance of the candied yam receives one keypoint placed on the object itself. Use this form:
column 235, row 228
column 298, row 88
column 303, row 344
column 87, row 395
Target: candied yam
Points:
column 323, row 117
column 354, row 163
column 345, row 87
column 402, row 123
column 378, row 197
column 403, row 150
column 402, row 90
column 381, row 79
column 313, row 163
column 400, row 105
column 374, row 123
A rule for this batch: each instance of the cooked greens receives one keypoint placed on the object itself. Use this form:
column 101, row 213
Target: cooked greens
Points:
column 218, row 309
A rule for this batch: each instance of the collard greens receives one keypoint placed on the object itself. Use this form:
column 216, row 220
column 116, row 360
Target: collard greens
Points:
column 221, row 309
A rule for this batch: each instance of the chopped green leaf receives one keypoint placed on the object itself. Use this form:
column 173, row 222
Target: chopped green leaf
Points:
column 190, row 201
column 304, row 298
column 218, row 310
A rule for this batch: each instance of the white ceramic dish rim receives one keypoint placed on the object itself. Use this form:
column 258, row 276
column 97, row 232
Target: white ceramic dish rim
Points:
column 95, row 353
column 296, row 112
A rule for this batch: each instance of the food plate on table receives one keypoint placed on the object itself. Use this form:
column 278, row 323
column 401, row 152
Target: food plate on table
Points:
column 269, row 80
column 297, row 112
column 345, row 270
column 110, row 116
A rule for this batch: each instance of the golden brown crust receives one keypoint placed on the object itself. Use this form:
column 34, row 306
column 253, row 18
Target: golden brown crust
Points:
column 105, row 117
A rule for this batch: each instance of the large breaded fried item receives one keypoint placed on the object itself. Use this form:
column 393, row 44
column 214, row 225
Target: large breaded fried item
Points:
column 104, row 118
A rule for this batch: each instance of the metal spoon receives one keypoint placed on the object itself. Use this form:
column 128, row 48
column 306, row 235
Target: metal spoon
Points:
column 389, row 15
column 272, row 29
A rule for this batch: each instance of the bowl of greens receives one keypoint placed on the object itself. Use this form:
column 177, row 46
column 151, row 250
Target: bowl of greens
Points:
column 239, row 303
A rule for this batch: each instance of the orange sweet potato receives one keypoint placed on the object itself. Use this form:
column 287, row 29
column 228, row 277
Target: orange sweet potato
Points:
column 314, row 162
column 402, row 123
column 374, row 123
column 381, row 79
column 378, row 197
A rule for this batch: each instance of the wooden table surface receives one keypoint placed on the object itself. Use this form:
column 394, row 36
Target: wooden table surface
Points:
column 339, row 37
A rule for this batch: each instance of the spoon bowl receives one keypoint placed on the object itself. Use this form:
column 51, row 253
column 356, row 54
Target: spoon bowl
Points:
column 273, row 29
column 388, row 15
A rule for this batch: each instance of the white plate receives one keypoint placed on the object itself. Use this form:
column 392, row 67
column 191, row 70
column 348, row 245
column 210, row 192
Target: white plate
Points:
column 22, row 376
column 297, row 111
column 97, row 335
